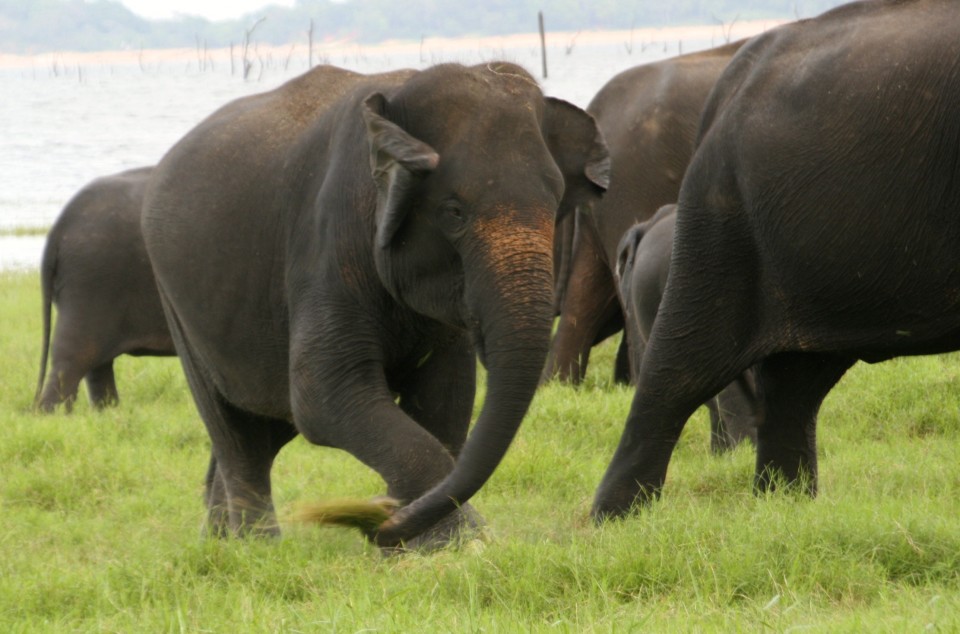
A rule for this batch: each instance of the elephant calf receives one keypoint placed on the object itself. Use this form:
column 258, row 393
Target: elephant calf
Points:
column 643, row 261
column 95, row 270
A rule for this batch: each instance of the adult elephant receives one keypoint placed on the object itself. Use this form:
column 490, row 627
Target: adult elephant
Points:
column 643, row 264
column 562, row 252
column 817, row 225
column 649, row 116
column 96, row 272
column 332, row 253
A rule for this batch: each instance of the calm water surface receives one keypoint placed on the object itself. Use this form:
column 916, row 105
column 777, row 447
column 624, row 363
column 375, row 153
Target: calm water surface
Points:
column 63, row 127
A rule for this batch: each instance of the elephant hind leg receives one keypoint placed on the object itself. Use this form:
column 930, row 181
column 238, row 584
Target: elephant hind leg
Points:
column 793, row 386
column 244, row 445
column 72, row 354
column 215, row 499
column 102, row 386
column 238, row 490
column 61, row 386
column 238, row 498
column 734, row 414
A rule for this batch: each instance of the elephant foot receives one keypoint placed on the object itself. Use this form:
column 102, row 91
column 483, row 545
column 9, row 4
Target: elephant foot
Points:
column 460, row 526
column 722, row 442
column 614, row 501
column 48, row 404
column 221, row 525
column 801, row 480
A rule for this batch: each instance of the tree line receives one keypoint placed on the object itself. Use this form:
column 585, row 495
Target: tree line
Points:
column 84, row 25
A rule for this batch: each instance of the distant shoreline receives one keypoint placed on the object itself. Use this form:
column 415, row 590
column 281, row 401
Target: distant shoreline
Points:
column 640, row 37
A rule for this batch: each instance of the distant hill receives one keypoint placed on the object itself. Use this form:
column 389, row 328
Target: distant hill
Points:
column 36, row 26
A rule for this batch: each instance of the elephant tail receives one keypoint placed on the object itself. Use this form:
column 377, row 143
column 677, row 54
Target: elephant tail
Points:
column 48, row 270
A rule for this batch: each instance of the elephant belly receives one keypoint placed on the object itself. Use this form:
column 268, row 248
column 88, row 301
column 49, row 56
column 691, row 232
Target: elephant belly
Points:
column 231, row 312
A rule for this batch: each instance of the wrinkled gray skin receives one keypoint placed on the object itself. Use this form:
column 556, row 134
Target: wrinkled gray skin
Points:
column 817, row 226
column 649, row 116
column 96, row 272
column 331, row 255
column 643, row 262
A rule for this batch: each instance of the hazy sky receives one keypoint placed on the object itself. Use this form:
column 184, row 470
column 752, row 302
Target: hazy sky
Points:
column 210, row 9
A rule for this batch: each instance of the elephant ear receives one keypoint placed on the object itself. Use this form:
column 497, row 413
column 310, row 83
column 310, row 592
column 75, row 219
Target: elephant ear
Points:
column 578, row 147
column 627, row 247
column 397, row 162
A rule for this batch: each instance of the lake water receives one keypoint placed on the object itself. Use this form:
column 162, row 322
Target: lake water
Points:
column 62, row 125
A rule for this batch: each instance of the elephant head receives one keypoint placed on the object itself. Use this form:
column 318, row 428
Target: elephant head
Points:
column 466, row 206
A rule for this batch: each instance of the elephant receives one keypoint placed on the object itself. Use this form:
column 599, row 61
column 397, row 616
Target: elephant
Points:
column 817, row 226
column 562, row 250
column 643, row 262
column 648, row 115
column 334, row 255
column 95, row 271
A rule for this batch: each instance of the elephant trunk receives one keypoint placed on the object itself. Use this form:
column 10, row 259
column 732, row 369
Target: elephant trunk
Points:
column 509, row 282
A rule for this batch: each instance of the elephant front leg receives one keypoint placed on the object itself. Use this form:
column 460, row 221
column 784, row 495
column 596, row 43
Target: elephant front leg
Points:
column 590, row 313
column 672, row 384
column 637, row 472
column 792, row 386
column 377, row 432
column 439, row 396
column 348, row 404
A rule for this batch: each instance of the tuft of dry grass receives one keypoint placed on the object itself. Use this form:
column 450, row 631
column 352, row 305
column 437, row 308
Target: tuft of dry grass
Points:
column 365, row 515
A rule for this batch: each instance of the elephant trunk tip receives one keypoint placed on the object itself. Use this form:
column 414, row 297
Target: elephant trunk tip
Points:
column 365, row 515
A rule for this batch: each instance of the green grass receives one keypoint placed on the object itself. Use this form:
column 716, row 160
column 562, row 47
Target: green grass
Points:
column 102, row 514
column 23, row 232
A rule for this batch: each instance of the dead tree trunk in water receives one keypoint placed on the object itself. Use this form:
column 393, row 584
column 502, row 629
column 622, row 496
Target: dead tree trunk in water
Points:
column 310, row 45
column 247, row 64
column 543, row 44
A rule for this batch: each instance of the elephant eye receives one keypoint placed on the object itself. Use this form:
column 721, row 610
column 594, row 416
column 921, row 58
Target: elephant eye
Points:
column 452, row 219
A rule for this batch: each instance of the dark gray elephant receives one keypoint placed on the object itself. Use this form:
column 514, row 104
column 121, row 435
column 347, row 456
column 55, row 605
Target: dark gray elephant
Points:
column 817, row 226
column 96, row 272
column 648, row 115
column 562, row 252
column 643, row 262
column 332, row 253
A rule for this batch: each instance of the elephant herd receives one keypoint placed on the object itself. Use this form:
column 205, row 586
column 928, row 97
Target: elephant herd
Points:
column 330, row 258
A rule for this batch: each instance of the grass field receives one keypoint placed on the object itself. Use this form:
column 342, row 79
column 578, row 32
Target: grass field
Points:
column 102, row 516
column 23, row 232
